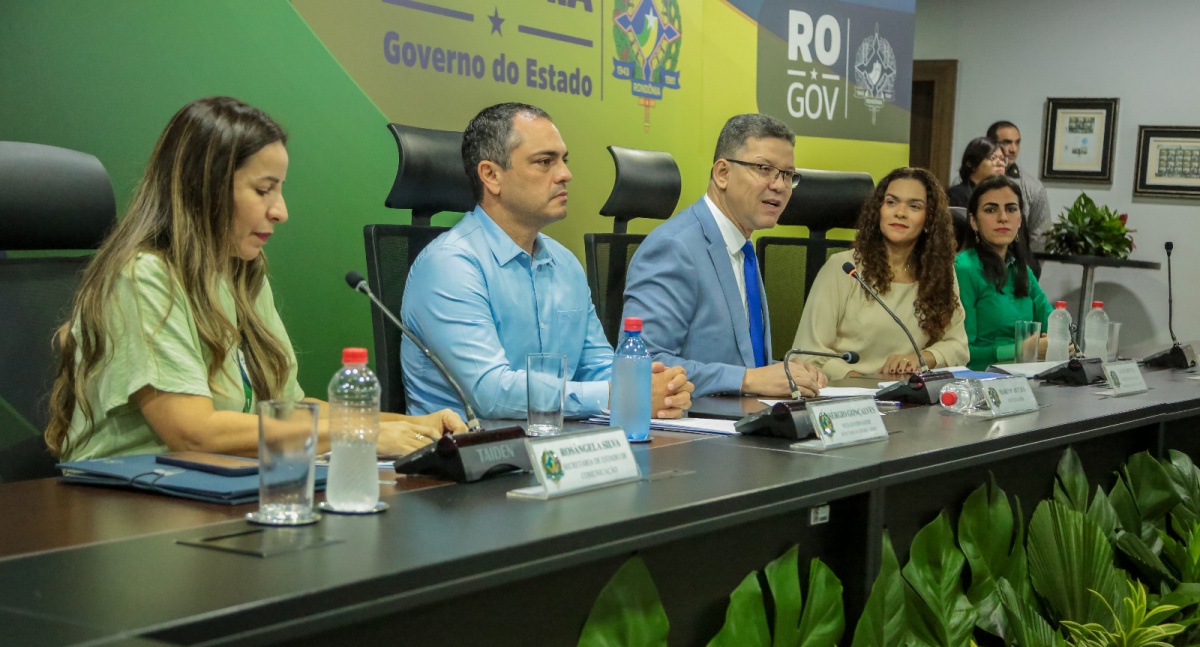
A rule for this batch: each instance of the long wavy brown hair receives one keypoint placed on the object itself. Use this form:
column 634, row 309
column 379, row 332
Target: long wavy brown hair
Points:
column 932, row 258
column 182, row 211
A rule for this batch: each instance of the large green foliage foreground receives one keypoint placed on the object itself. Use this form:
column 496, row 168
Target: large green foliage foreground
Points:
column 1091, row 568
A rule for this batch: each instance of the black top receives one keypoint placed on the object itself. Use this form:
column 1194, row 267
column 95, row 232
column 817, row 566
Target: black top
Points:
column 960, row 194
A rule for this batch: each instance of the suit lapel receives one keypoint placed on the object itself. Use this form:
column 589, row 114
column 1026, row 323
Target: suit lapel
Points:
column 719, row 255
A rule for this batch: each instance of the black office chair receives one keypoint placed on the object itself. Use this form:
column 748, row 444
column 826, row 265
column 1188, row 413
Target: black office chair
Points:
column 822, row 201
column 647, row 185
column 429, row 179
column 50, row 199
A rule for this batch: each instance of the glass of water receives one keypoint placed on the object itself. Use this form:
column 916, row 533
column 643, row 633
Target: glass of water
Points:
column 287, row 455
column 546, row 379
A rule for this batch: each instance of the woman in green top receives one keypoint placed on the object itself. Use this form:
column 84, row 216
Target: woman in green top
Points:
column 173, row 334
column 995, row 284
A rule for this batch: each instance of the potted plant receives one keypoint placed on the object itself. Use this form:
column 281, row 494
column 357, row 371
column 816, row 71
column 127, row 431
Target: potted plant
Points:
column 1091, row 230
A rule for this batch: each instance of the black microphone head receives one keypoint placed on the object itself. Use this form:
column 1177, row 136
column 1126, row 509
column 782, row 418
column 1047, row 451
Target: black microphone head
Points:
column 848, row 268
column 1169, row 246
column 850, row 357
column 354, row 279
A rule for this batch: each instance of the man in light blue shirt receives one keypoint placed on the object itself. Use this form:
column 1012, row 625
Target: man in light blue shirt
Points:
column 494, row 289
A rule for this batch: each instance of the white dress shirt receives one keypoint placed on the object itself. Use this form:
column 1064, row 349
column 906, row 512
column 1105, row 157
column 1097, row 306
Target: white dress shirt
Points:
column 734, row 240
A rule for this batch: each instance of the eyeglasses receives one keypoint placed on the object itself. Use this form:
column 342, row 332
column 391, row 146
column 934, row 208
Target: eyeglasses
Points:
column 768, row 172
column 999, row 157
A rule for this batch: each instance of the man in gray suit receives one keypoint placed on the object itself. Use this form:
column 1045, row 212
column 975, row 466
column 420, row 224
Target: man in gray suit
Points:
column 695, row 281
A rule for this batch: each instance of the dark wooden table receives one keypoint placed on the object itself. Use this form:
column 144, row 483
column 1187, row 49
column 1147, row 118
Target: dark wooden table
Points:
column 465, row 565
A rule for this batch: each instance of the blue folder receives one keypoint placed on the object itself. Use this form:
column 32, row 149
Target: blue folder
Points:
column 141, row 472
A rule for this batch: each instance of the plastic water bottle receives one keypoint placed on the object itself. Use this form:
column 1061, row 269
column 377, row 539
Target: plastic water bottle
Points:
column 962, row 396
column 1095, row 332
column 1058, row 333
column 631, row 383
column 353, row 430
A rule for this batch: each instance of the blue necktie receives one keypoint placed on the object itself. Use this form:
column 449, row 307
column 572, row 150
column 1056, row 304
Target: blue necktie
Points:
column 754, row 303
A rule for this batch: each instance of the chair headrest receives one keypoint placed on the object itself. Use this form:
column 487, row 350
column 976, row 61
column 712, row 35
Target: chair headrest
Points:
column 827, row 199
column 647, row 185
column 53, row 198
column 960, row 217
column 429, row 177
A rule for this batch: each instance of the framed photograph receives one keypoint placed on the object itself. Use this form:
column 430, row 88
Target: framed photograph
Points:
column 1078, row 140
column 1168, row 161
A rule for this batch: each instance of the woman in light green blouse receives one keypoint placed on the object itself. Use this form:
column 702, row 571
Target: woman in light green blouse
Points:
column 995, row 284
column 173, row 335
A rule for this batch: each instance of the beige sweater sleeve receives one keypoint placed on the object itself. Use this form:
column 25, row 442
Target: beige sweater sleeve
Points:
column 839, row 317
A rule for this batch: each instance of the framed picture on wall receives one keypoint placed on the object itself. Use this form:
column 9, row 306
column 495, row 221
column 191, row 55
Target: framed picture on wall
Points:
column 1078, row 139
column 1168, row 161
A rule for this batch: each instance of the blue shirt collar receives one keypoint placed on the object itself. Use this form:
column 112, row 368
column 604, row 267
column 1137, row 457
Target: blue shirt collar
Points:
column 504, row 248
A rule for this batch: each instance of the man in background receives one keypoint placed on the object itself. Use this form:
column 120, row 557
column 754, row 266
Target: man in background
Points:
column 1037, row 206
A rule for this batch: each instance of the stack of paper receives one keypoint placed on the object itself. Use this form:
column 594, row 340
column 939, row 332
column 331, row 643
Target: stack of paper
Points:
column 694, row 425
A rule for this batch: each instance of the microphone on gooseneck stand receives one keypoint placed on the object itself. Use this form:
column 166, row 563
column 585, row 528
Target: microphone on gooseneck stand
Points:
column 787, row 419
column 850, row 357
column 1178, row 355
column 920, row 388
column 359, row 284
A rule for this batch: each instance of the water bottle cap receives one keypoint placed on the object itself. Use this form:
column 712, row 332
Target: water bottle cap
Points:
column 1060, row 304
column 633, row 324
column 1097, row 304
column 354, row 356
column 949, row 398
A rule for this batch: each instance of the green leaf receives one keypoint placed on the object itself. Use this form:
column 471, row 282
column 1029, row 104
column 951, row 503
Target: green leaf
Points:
column 1102, row 514
column 1123, row 504
column 1068, row 556
column 1182, row 596
column 1026, row 625
column 824, row 619
column 783, row 577
column 746, row 618
column 883, row 622
column 1186, row 477
column 938, row 608
column 1070, row 483
column 1147, row 562
column 1153, row 490
column 985, row 533
column 627, row 612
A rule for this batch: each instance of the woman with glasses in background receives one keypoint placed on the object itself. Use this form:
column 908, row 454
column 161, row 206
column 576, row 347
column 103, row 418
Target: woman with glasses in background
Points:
column 982, row 158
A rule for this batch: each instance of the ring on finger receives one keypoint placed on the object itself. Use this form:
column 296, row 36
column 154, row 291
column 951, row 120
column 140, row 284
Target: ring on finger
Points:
column 421, row 435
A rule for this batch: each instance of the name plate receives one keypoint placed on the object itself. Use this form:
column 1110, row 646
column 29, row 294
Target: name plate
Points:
column 1006, row 396
column 1125, row 378
column 574, row 462
column 846, row 421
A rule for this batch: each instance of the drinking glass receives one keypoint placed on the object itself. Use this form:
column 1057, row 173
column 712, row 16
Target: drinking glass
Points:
column 546, row 379
column 1028, row 336
column 287, row 455
column 1114, row 337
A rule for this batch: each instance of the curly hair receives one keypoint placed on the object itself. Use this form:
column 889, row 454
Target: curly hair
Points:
column 932, row 258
